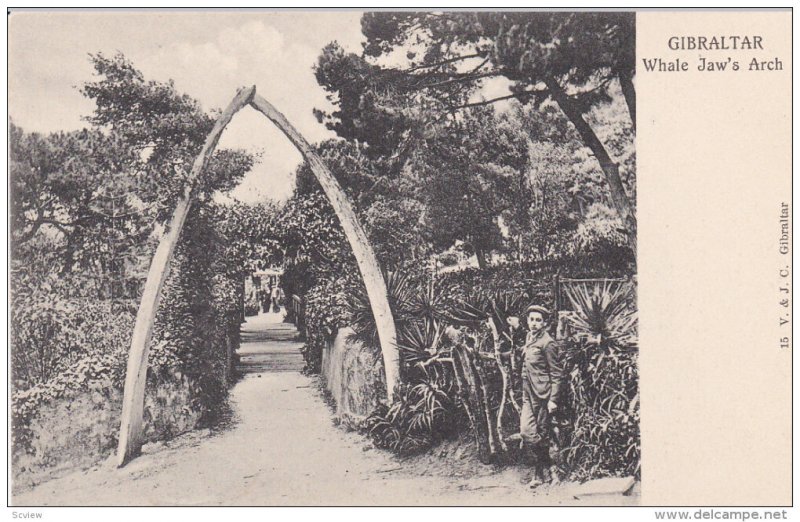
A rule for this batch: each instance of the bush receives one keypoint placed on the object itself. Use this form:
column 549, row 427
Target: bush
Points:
column 421, row 415
column 534, row 278
column 603, row 382
column 52, row 327
column 79, row 427
column 324, row 307
column 70, row 416
column 90, row 373
column 197, row 323
column 401, row 295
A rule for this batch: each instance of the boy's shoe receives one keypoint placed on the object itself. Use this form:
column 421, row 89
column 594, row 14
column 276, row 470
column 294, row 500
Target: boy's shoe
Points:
column 554, row 475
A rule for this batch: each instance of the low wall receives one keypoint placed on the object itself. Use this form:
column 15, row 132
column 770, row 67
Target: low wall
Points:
column 353, row 374
column 80, row 429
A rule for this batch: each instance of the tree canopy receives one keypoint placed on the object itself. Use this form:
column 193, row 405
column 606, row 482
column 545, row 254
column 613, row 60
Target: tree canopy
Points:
column 102, row 192
column 419, row 69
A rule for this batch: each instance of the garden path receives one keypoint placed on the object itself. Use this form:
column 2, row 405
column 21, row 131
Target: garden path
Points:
column 280, row 448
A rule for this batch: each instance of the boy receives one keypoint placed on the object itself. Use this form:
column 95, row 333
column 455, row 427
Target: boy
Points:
column 542, row 381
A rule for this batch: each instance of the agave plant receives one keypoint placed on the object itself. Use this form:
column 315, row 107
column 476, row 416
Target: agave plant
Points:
column 431, row 407
column 429, row 303
column 480, row 306
column 418, row 340
column 419, row 415
column 499, row 307
column 359, row 310
column 604, row 311
column 420, row 335
column 603, row 384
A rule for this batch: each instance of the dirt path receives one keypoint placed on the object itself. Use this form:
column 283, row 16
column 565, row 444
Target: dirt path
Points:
column 281, row 449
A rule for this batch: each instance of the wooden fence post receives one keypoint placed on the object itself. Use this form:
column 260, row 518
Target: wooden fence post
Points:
column 556, row 294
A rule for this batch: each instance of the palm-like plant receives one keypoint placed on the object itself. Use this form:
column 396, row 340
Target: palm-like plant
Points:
column 418, row 341
column 418, row 317
column 478, row 307
column 429, row 303
column 419, row 415
column 482, row 312
column 604, row 311
column 603, row 382
column 359, row 308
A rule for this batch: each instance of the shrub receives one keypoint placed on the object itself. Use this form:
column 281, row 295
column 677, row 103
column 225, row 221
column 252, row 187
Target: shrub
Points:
column 80, row 426
column 324, row 307
column 198, row 319
column 421, row 414
column 605, row 310
column 603, row 382
column 51, row 331
column 41, row 341
column 195, row 335
column 401, row 294
column 90, row 373
column 534, row 278
column 602, row 234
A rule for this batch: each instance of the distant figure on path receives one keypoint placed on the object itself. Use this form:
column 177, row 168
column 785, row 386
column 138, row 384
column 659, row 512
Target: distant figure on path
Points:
column 266, row 294
column 277, row 297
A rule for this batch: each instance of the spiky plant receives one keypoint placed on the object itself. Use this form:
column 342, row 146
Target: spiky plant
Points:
column 418, row 341
column 359, row 310
column 419, row 416
column 603, row 384
column 479, row 306
column 605, row 312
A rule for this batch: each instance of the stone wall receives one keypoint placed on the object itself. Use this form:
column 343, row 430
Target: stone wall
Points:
column 353, row 374
column 81, row 429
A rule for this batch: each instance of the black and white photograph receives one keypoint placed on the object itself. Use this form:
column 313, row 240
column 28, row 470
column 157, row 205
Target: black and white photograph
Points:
column 323, row 258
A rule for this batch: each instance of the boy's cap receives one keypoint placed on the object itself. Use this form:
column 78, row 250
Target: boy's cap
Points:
column 536, row 308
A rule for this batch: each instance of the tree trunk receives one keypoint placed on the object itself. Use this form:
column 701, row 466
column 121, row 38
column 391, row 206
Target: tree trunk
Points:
column 506, row 384
column 480, row 254
column 482, row 380
column 365, row 256
column 611, row 170
column 470, row 394
column 629, row 92
column 130, row 435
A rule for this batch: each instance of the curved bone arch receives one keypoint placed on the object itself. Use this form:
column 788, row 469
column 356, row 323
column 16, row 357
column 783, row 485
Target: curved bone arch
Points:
column 130, row 436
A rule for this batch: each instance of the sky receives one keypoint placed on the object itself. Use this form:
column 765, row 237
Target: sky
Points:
column 209, row 55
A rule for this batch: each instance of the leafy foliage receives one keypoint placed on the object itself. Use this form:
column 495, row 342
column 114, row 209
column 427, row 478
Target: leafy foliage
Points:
column 603, row 383
column 466, row 170
column 252, row 235
column 427, row 115
column 163, row 128
column 605, row 311
column 602, row 234
column 86, row 214
column 324, row 306
column 421, row 415
column 360, row 318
